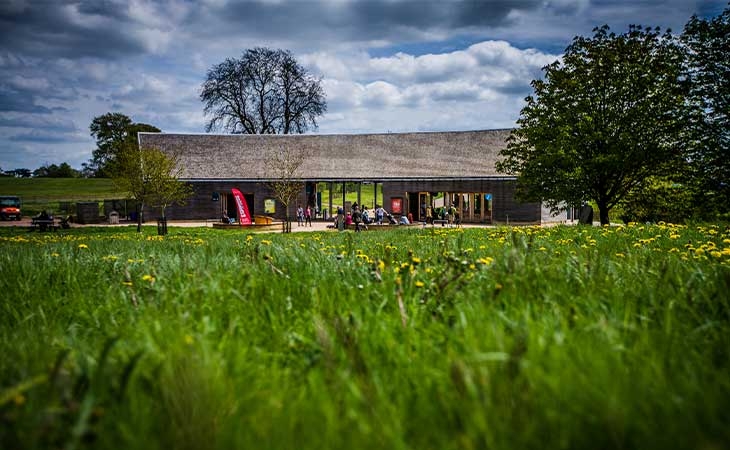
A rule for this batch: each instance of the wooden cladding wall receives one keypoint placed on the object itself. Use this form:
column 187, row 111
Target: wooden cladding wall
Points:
column 505, row 208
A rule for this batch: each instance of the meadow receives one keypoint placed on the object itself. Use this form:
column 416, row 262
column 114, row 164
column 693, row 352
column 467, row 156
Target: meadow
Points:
column 38, row 194
column 500, row 338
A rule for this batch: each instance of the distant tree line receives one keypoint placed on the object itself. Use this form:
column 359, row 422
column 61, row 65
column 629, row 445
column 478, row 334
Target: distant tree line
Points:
column 63, row 170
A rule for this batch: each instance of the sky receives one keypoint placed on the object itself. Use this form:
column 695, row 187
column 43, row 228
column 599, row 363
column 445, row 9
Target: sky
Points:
column 385, row 65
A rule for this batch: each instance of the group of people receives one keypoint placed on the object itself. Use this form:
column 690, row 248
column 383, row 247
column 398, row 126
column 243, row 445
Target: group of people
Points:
column 362, row 217
column 304, row 215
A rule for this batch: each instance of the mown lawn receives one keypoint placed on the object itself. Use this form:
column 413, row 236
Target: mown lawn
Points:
column 505, row 338
column 38, row 194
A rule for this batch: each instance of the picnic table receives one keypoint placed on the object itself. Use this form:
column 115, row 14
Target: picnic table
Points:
column 43, row 224
column 48, row 223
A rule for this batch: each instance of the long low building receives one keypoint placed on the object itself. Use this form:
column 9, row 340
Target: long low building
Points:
column 416, row 174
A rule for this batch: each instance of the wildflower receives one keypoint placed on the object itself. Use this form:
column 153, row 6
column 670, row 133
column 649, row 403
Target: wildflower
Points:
column 420, row 284
column 149, row 278
column 83, row 246
column 127, row 283
column 416, row 260
column 542, row 249
column 265, row 242
column 54, row 254
column 620, row 255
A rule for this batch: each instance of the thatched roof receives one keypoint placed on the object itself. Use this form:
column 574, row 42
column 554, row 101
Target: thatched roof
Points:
column 458, row 154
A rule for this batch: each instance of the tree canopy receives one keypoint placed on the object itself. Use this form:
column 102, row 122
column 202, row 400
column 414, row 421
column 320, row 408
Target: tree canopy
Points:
column 113, row 132
column 64, row 170
column 150, row 177
column 264, row 92
column 708, row 73
column 604, row 119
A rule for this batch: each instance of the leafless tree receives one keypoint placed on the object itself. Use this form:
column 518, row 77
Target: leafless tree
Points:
column 283, row 172
column 264, row 92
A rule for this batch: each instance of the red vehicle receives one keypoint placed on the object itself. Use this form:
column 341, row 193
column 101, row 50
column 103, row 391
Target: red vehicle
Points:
column 9, row 207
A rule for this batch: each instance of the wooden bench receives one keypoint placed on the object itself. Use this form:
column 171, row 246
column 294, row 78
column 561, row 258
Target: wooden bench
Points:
column 43, row 224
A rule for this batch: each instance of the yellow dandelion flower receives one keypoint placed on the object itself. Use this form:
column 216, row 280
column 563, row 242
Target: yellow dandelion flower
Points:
column 620, row 255
column 83, row 246
column 149, row 278
column 699, row 251
column 381, row 265
column 55, row 255
column 266, row 242
column 420, row 284
column 127, row 283
column 542, row 249
column 416, row 260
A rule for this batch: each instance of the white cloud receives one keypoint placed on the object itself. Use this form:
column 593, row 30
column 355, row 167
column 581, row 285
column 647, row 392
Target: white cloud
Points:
column 29, row 83
column 480, row 76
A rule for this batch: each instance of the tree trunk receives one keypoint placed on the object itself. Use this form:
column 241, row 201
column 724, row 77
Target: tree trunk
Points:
column 139, row 218
column 603, row 213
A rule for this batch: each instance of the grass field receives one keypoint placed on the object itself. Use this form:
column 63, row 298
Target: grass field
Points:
column 504, row 338
column 38, row 194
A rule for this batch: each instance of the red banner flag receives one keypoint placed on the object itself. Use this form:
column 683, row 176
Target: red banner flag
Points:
column 244, row 218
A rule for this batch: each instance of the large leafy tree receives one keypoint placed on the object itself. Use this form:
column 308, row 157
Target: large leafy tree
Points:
column 604, row 119
column 708, row 72
column 113, row 133
column 151, row 178
column 264, row 92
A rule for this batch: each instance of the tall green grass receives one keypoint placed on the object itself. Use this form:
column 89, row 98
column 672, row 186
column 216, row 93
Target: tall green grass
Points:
column 505, row 338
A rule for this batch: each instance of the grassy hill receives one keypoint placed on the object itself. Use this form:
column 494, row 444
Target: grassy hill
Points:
column 38, row 194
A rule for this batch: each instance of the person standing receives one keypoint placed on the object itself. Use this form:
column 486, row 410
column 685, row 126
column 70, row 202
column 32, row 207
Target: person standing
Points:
column 308, row 216
column 357, row 218
column 300, row 215
column 379, row 214
column 340, row 218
